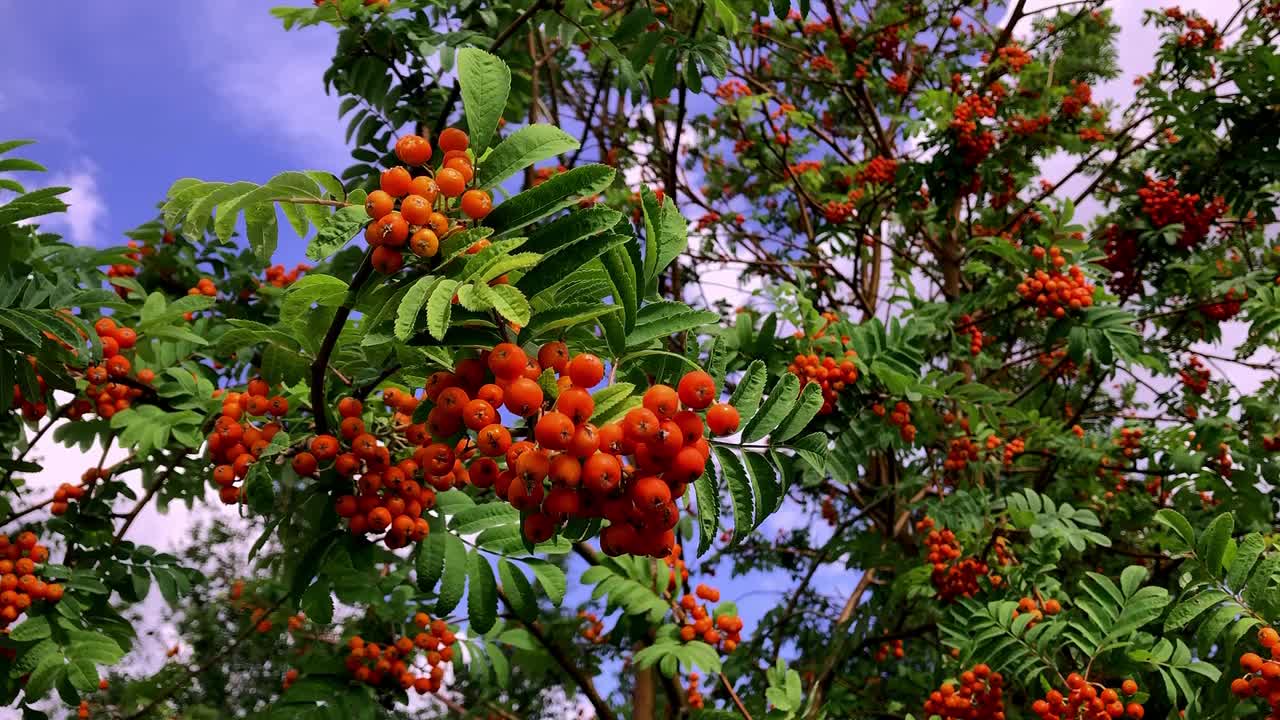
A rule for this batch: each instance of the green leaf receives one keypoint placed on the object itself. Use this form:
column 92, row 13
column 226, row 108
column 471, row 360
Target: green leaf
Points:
column 337, row 231
column 313, row 288
column 411, row 304
column 83, row 674
column 490, row 514
column 1191, row 608
column 482, row 597
column 781, row 400
column 521, row 149
column 518, row 591
column 1178, row 524
column 1247, row 555
column 454, row 579
column 1213, row 544
column 485, row 82
column 610, row 401
column 550, row 577
column 661, row 319
column 740, row 491
column 626, row 292
column 508, row 301
column 708, row 510
column 558, row 192
column 746, row 397
column 558, row 265
column 440, row 307
column 430, row 562
column 47, row 674
column 33, row 628
column 805, row 410
column 765, row 484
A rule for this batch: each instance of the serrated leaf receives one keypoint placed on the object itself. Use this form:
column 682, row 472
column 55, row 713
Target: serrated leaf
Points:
column 746, row 397
column 1178, row 524
column 805, row 410
column 609, row 399
column 766, row 486
column 453, row 581
column 550, row 577
column 560, row 264
column 508, row 301
column 481, row 517
column 735, row 478
column 519, row 150
column 485, row 82
column 1247, row 555
column 519, row 592
column 440, row 307
column 661, row 319
column 781, row 400
column 482, row 597
column 1213, row 543
column 1191, row 608
column 560, row 191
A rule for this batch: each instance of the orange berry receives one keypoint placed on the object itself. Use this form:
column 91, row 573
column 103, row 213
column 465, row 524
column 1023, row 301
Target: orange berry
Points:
column 379, row 203
column 451, row 182
column 395, row 181
column 476, row 204
column 453, row 139
column 413, row 150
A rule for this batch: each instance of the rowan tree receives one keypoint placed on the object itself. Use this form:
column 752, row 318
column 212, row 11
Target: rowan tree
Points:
column 1002, row 350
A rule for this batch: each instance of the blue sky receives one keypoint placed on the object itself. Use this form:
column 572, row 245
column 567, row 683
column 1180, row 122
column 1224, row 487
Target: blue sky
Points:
column 125, row 97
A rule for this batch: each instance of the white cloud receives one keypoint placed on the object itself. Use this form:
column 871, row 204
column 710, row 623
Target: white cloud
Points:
column 268, row 81
column 83, row 221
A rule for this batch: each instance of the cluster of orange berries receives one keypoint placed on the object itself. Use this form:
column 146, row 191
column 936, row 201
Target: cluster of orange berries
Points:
column 204, row 286
column 1129, row 441
column 960, row 452
column 693, row 695
column 235, row 443
column 894, row 648
column 1081, row 96
column 1262, row 676
column 722, row 631
column 1226, row 308
column 1199, row 33
column 1085, row 701
column 1164, row 204
column 35, row 408
column 1056, row 363
column 899, row 418
column 388, row 499
column 969, row 326
column 419, row 222
column 952, row 576
column 63, row 496
column 594, row 630
column 1053, row 291
column 279, row 277
column 399, row 662
column 974, row 141
column 126, row 269
column 586, row 466
column 1195, row 376
column 1012, row 449
column 1038, row 609
column 878, row 170
column 832, row 375
column 19, row 583
column 979, row 697
column 102, row 394
column 1015, row 56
